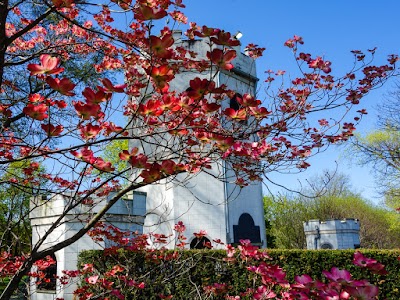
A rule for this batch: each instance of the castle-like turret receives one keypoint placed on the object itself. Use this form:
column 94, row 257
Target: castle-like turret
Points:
column 208, row 201
column 332, row 234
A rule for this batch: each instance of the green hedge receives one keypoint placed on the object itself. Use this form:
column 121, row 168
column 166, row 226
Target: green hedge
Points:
column 185, row 277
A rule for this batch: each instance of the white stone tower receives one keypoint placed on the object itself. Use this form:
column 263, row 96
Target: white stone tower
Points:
column 220, row 207
column 332, row 234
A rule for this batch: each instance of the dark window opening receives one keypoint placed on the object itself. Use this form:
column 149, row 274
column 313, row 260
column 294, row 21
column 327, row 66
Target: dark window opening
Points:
column 49, row 281
column 326, row 246
column 234, row 103
column 246, row 230
column 202, row 243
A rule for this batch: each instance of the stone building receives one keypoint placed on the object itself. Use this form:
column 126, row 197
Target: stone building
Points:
column 211, row 202
column 332, row 234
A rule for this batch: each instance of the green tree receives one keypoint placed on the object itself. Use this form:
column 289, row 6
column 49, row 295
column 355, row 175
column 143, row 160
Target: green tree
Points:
column 15, row 226
column 111, row 153
column 380, row 148
column 286, row 216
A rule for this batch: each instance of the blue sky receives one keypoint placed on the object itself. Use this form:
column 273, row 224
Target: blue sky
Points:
column 330, row 29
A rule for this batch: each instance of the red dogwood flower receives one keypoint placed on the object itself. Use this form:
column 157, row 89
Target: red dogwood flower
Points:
column 37, row 112
column 63, row 86
column 222, row 59
column 48, row 65
column 52, row 130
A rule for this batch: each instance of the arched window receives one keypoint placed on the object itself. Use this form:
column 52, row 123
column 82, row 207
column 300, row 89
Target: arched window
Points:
column 246, row 230
column 234, row 103
column 49, row 282
column 201, row 243
column 326, row 246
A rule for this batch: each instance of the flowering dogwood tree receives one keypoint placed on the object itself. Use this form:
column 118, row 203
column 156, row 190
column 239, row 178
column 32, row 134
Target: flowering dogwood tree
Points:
column 69, row 72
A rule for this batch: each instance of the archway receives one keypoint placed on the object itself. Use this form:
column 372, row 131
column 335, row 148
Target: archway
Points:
column 200, row 243
column 246, row 230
